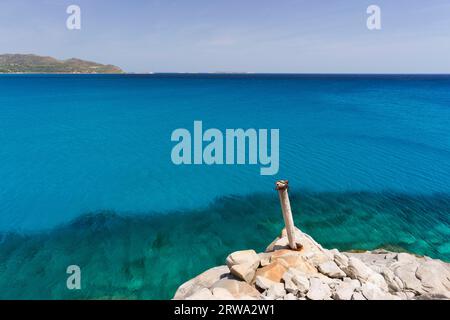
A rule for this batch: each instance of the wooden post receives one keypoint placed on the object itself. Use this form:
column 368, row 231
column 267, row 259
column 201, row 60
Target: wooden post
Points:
column 282, row 187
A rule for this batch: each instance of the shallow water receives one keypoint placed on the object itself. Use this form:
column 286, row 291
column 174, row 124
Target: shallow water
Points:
column 148, row 256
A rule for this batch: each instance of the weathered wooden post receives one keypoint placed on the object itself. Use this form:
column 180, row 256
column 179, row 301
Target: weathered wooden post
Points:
column 282, row 187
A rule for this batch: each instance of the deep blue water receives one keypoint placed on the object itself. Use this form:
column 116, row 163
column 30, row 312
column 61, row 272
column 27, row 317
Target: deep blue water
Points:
column 370, row 154
column 76, row 144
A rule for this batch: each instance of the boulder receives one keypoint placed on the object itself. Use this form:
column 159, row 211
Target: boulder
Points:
column 292, row 258
column 245, row 297
column 282, row 252
column 318, row 274
column 236, row 288
column 372, row 292
column 331, row 270
column 204, row 280
column 394, row 283
column 341, row 260
column 278, row 244
column 290, row 296
column 290, row 286
column 343, row 293
column 318, row 290
column 378, row 280
column 274, row 271
column 244, row 256
column 356, row 269
column 263, row 283
column 358, row 296
column 310, row 249
column 296, row 282
column 345, row 289
column 243, row 264
column 406, row 272
column 264, row 258
column 405, row 295
column 295, row 260
column 434, row 277
column 244, row 271
column 275, row 291
column 203, row 294
column 353, row 282
column 222, row 294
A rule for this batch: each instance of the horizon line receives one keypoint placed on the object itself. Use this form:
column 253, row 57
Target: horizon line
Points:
column 234, row 73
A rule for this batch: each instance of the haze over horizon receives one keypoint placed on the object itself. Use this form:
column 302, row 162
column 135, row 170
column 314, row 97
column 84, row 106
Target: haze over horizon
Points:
column 291, row 36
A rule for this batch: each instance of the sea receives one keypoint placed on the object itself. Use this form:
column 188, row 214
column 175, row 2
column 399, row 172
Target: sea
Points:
column 87, row 178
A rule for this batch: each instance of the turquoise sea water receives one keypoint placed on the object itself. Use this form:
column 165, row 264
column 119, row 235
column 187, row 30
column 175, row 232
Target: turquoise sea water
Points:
column 86, row 176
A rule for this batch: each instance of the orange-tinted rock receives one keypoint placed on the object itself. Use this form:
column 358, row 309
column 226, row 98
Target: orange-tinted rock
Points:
column 238, row 289
column 274, row 271
column 282, row 252
column 293, row 259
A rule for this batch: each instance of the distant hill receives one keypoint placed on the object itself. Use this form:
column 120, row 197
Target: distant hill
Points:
column 30, row 63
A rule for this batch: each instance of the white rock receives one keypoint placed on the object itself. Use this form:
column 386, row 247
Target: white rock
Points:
column 244, row 256
column 405, row 295
column 407, row 274
column 204, row 280
column 405, row 258
column 394, row 283
column 357, row 269
column 434, row 277
column 358, row 296
column 290, row 286
column 244, row 297
column 331, row 270
column 341, row 260
column 236, row 288
column 222, row 294
column 332, row 252
column 290, row 296
column 244, row 271
column 263, row 283
column 345, row 290
column 378, row 280
column 203, row 294
column 243, row 264
column 277, row 244
column 296, row 282
column 344, row 293
column 276, row 291
column 318, row 290
column 264, row 258
column 372, row 292
column 353, row 282
column 377, row 274
column 331, row 282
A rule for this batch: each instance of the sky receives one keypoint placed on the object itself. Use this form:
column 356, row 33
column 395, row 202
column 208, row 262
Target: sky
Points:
column 274, row 36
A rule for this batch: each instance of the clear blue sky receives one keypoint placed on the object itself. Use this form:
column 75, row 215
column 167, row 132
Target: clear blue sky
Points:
column 236, row 35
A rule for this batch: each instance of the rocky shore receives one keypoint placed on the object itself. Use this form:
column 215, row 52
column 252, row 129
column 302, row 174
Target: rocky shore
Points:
column 315, row 273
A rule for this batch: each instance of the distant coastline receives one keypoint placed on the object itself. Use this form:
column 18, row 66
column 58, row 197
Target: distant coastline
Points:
column 34, row 64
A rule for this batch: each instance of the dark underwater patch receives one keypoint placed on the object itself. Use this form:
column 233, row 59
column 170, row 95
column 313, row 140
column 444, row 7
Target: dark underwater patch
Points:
column 147, row 256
